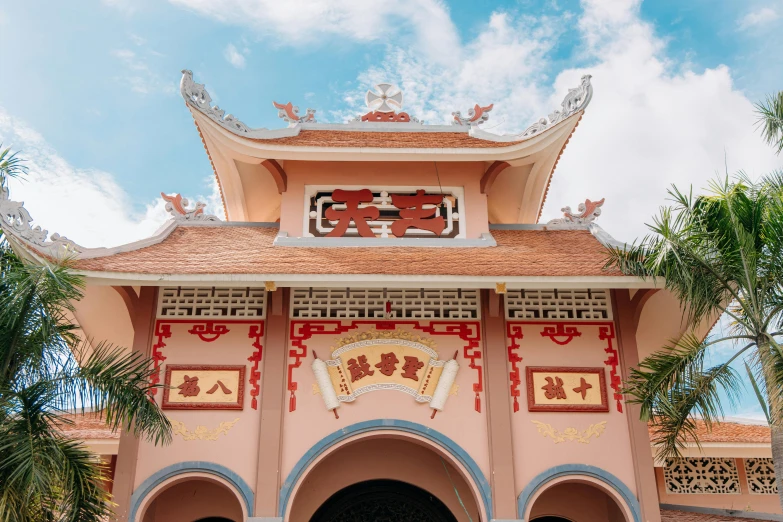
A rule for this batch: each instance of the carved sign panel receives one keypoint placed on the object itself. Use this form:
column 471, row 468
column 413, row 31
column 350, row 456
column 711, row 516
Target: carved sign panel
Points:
column 204, row 387
column 426, row 212
column 566, row 389
column 388, row 364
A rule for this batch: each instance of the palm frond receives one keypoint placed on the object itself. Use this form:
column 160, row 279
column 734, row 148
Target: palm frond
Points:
column 770, row 121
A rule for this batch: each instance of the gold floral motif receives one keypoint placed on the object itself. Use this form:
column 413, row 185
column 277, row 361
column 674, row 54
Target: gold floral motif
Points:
column 201, row 432
column 570, row 434
column 397, row 333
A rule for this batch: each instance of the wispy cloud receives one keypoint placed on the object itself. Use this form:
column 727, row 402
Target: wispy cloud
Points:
column 300, row 22
column 87, row 205
column 234, row 57
column 757, row 18
column 127, row 7
column 139, row 76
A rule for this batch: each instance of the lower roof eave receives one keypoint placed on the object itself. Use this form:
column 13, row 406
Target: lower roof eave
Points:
column 365, row 280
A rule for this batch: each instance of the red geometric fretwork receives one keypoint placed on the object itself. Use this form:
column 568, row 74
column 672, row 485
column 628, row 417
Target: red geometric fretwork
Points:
column 162, row 331
column 256, row 333
column 514, row 333
column 561, row 334
column 606, row 333
column 208, row 331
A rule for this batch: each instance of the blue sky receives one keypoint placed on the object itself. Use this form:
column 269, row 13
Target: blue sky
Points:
column 90, row 90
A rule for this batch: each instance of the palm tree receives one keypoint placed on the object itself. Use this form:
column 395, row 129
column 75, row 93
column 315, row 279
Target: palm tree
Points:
column 46, row 370
column 720, row 254
column 770, row 120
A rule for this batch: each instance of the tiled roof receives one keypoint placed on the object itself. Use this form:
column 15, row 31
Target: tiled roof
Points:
column 387, row 140
column 671, row 515
column 249, row 250
column 87, row 426
column 731, row 432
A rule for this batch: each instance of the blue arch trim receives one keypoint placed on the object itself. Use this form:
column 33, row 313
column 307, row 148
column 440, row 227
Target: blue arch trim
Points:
column 179, row 468
column 387, row 424
column 578, row 469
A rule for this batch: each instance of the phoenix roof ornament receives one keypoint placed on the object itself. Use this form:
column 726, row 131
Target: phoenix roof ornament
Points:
column 196, row 94
column 576, row 100
column 588, row 211
column 290, row 113
column 476, row 116
column 177, row 206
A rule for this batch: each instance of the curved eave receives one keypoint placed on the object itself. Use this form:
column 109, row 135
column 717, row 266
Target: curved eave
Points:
column 365, row 280
column 268, row 149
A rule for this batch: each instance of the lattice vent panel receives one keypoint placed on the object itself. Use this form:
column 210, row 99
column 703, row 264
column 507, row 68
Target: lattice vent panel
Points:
column 701, row 476
column 572, row 305
column 761, row 476
column 357, row 303
column 207, row 301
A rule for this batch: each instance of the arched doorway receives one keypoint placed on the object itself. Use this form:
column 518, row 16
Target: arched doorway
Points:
column 190, row 499
column 383, row 501
column 380, row 466
column 578, row 501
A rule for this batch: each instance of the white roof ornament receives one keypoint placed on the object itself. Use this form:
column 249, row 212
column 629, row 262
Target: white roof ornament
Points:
column 15, row 221
column 588, row 211
column 476, row 116
column 386, row 99
column 196, row 96
column 576, row 100
column 177, row 206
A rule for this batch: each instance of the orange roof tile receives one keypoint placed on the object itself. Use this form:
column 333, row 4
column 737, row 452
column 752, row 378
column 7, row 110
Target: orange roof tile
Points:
column 730, row 432
column 387, row 140
column 671, row 515
column 87, row 426
column 249, row 250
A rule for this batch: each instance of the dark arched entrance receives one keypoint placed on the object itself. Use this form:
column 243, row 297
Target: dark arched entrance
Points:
column 551, row 519
column 382, row 501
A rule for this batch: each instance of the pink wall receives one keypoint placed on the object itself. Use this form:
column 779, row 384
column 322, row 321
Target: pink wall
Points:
column 311, row 422
column 382, row 458
column 238, row 449
column 535, row 453
column 467, row 175
column 744, row 501
column 193, row 500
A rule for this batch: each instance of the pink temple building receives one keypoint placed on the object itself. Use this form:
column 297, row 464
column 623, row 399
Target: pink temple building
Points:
column 378, row 328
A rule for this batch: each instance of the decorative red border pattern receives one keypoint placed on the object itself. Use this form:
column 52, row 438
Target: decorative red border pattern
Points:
column 302, row 330
column 531, row 392
column 238, row 405
column 562, row 333
column 209, row 331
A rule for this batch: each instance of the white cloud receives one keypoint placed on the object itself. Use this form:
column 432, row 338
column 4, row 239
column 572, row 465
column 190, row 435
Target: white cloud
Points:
column 652, row 121
column 759, row 17
column 234, row 57
column 301, row 22
column 139, row 76
column 86, row 205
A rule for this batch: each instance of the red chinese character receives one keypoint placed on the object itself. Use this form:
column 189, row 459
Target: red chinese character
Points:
column 554, row 390
column 222, row 387
column 351, row 198
column 360, row 369
column 411, row 366
column 189, row 388
column 388, row 364
column 583, row 387
column 415, row 215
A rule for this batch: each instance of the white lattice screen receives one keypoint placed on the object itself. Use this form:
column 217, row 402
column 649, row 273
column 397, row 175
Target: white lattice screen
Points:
column 761, row 476
column 584, row 305
column 703, row 475
column 208, row 301
column 358, row 303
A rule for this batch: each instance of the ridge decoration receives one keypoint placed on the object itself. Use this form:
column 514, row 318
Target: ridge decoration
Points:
column 476, row 116
column 290, row 113
column 588, row 211
column 17, row 222
column 196, row 95
column 570, row 434
column 177, row 206
column 576, row 100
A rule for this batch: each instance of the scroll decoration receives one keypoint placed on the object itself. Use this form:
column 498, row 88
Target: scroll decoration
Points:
column 570, row 434
column 385, row 363
column 201, row 432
